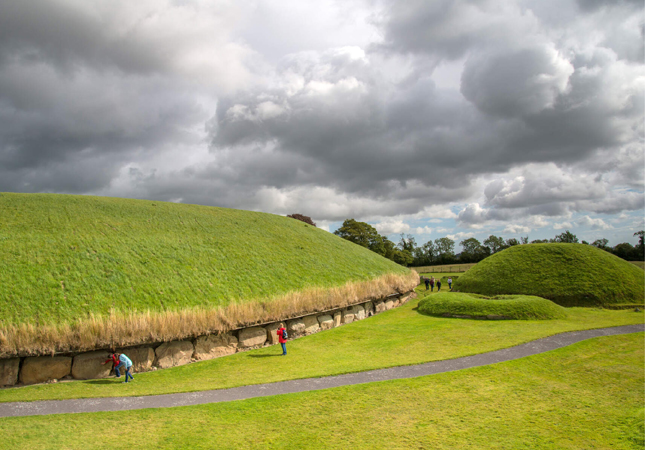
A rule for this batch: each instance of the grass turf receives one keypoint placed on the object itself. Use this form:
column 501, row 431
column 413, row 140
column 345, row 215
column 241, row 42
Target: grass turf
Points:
column 64, row 257
column 568, row 274
column 520, row 307
column 588, row 395
column 397, row 337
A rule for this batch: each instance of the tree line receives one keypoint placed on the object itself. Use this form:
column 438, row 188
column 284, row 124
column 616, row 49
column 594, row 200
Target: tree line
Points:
column 442, row 250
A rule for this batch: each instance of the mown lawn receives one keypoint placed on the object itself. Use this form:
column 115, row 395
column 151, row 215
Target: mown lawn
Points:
column 586, row 396
column 397, row 337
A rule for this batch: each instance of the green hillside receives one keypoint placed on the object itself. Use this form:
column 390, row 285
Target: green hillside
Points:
column 63, row 257
column 568, row 274
column 520, row 307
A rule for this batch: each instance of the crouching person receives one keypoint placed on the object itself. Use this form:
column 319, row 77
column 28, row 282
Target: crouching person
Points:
column 121, row 361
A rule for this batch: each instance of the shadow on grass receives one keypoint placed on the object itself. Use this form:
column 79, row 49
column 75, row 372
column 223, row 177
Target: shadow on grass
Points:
column 103, row 381
column 264, row 356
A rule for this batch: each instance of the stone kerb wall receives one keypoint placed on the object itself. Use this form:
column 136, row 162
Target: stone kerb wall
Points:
column 83, row 366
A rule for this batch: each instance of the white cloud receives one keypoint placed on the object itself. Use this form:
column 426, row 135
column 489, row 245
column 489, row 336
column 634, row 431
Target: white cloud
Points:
column 595, row 224
column 460, row 236
column 562, row 225
column 392, row 227
column 516, row 229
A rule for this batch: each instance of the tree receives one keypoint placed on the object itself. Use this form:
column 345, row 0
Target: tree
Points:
column 402, row 257
column 567, row 237
column 640, row 247
column 473, row 251
column 626, row 251
column 494, row 243
column 363, row 234
column 445, row 248
column 540, row 241
column 524, row 240
column 424, row 255
column 305, row 219
column 601, row 244
column 408, row 244
column 511, row 242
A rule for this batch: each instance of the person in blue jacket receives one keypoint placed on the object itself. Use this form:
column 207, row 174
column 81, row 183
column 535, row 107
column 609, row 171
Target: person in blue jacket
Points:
column 124, row 363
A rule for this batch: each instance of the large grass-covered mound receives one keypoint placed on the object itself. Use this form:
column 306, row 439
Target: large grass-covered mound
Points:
column 568, row 274
column 520, row 307
column 63, row 257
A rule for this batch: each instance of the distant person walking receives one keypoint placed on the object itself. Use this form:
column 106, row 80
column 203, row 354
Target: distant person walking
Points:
column 450, row 283
column 432, row 284
column 438, row 285
column 427, row 281
column 282, row 337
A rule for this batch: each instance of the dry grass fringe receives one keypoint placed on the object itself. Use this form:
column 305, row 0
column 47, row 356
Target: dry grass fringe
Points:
column 127, row 329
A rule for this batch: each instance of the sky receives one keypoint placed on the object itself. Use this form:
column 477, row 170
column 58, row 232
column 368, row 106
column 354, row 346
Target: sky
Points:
column 458, row 118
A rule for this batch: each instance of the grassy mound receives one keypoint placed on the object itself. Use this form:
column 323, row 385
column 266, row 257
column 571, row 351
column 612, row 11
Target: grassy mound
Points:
column 521, row 307
column 568, row 274
column 64, row 257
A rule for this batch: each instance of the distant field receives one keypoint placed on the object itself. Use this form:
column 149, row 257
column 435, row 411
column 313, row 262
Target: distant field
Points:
column 640, row 264
column 456, row 268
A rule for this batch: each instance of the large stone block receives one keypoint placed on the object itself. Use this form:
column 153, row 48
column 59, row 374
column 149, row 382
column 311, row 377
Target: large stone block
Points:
column 326, row 322
column 359, row 312
column 369, row 309
column 389, row 304
column 295, row 327
column 338, row 316
column 311, row 324
column 214, row 346
column 176, row 353
column 272, row 336
column 9, row 369
column 142, row 357
column 348, row 315
column 379, row 306
column 252, row 337
column 87, row 366
column 39, row 369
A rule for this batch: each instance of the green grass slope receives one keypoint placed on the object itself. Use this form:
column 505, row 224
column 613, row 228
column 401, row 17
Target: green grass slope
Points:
column 520, row 307
column 568, row 274
column 63, row 257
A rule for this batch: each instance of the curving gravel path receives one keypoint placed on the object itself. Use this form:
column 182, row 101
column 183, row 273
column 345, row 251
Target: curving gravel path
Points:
column 309, row 384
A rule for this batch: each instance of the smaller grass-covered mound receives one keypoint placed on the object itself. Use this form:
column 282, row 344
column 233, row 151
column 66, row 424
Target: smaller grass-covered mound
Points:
column 519, row 307
column 567, row 274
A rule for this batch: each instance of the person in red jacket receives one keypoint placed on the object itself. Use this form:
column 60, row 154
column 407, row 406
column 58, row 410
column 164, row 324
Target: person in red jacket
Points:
column 114, row 359
column 282, row 337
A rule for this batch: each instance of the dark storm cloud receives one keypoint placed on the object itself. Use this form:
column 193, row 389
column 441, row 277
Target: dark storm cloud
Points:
column 168, row 102
column 65, row 34
column 86, row 89
column 361, row 136
column 594, row 5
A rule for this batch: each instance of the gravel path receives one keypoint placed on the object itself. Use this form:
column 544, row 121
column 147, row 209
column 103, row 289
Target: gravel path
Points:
column 309, row 384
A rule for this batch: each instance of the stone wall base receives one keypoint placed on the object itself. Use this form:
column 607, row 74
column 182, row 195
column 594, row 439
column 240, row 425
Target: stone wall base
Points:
column 87, row 365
